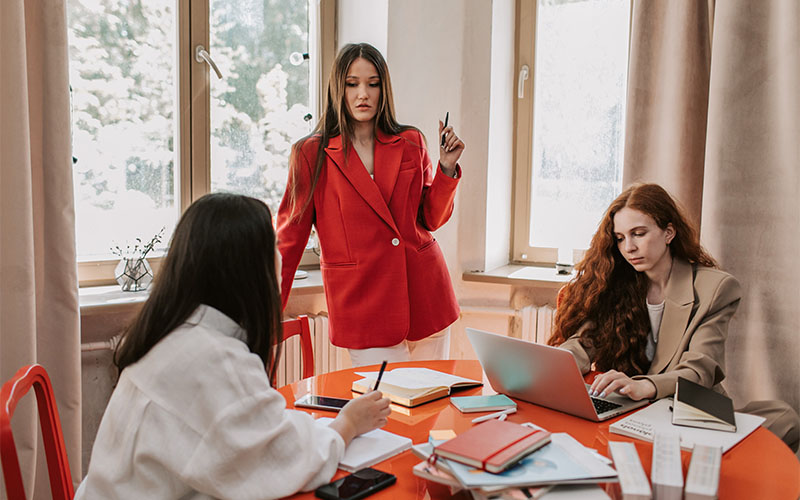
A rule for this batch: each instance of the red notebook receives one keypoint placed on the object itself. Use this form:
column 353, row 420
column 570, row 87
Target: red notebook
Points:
column 493, row 445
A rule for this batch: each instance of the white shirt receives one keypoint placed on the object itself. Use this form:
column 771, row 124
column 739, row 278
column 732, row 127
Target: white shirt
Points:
column 196, row 418
column 656, row 312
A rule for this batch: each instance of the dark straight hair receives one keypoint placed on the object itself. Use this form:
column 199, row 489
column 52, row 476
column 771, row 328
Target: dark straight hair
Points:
column 336, row 119
column 222, row 255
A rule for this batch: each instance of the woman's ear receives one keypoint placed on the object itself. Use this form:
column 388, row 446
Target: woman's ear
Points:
column 670, row 233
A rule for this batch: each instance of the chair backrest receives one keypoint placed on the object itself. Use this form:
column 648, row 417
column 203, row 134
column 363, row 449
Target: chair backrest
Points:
column 560, row 297
column 55, row 451
column 299, row 326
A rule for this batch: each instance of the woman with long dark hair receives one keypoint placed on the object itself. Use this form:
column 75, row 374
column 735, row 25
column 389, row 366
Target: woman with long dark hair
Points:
column 194, row 413
column 649, row 304
column 367, row 184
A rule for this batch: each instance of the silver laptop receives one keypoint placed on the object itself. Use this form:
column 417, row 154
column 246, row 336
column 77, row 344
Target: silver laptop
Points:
column 543, row 375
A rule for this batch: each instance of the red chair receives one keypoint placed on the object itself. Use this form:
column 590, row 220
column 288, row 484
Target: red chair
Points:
column 560, row 297
column 299, row 326
column 57, row 464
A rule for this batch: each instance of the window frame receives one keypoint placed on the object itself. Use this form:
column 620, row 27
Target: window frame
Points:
column 193, row 171
column 521, row 250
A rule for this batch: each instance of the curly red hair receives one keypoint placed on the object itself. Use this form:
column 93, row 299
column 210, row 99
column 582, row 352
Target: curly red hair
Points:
column 608, row 292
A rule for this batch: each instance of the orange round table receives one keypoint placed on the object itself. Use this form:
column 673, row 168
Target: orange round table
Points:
column 760, row 466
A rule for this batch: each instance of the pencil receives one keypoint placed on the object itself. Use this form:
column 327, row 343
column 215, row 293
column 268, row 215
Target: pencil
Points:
column 380, row 374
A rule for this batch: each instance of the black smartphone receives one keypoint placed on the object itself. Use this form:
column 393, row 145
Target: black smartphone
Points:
column 357, row 485
column 321, row 402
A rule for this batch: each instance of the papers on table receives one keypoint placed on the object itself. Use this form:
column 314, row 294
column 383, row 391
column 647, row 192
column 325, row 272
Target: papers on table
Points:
column 658, row 417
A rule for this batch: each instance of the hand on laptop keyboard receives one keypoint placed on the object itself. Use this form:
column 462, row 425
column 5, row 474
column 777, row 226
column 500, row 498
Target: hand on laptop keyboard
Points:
column 614, row 381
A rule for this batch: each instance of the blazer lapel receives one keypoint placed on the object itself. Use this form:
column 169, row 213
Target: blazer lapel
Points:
column 358, row 177
column 388, row 155
column 679, row 299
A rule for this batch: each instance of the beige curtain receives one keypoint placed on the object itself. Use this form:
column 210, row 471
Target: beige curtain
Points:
column 670, row 62
column 714, row 116
column 39, row 315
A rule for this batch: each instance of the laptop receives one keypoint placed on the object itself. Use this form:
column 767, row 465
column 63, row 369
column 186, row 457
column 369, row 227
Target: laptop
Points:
column 543, row 375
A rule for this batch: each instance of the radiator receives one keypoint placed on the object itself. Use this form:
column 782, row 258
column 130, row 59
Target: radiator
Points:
column 532, row 323
column 537, row 323
column 327, row 357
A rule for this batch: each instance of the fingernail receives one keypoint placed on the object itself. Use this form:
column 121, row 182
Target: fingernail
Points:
column 603, row 394
column 594, row 393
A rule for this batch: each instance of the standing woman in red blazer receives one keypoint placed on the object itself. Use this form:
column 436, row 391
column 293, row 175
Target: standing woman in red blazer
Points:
column 368, row 186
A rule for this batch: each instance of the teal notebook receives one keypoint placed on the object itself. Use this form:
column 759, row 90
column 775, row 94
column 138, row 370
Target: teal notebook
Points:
column 496, row 402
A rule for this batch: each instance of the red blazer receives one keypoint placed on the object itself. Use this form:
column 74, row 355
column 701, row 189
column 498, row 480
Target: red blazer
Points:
column 384, row 275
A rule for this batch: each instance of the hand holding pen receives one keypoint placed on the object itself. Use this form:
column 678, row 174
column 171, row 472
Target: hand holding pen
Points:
column 380, row 374
column 364, row 413
column 450, row 147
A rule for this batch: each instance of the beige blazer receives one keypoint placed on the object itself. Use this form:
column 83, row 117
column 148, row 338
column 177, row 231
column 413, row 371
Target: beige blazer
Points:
column 699, row 303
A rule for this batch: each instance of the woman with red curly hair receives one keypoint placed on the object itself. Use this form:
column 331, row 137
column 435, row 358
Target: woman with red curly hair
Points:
column 649, row 304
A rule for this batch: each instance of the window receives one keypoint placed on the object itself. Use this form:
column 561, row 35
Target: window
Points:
column 570, row 121
column 153, row 129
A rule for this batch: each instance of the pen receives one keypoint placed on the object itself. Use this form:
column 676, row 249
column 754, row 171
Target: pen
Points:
column 446, row 117
column 494, row 415
column 380, row 374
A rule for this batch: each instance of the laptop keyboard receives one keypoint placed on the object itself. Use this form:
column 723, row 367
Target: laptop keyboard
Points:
column 602, row 406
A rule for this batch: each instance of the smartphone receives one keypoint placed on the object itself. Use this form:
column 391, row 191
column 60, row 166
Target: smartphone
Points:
column 357, row 485
column 321, row 402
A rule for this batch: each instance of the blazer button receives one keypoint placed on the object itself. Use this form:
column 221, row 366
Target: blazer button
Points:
column 395, row 242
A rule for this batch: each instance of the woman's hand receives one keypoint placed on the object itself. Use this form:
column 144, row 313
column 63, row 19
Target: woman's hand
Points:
column 612, row 380
column 362, row 414
column 449, row 151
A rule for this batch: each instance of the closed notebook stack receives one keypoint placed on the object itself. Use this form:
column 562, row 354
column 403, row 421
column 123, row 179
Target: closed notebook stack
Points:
column 632, row 479
column 563, row 461
column 698, row 406
column 553, row 492
column 666, row 473
column 493, row 445
column 702, row 480
column 430, row 472
column 471, row 404
column 413, row 386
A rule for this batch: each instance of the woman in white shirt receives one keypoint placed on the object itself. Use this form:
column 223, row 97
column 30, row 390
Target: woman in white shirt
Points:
column 194, row 414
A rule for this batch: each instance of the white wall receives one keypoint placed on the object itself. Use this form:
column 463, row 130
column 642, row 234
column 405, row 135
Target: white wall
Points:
column 501, row 136
column 362, row 21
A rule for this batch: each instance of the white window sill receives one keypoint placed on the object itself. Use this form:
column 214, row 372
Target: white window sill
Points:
column 520, row 275
column 110, row 299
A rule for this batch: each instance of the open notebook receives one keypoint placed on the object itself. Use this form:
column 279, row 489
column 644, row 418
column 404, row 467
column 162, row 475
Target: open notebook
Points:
column 370, row 448
column 413, row 386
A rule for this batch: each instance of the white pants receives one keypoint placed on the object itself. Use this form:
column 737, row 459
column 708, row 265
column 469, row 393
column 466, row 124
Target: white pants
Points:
column 437, row 346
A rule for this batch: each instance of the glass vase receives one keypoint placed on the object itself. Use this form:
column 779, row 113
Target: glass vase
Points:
column 133, row 275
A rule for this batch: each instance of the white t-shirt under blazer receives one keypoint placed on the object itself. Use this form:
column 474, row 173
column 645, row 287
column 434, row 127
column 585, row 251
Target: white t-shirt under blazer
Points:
column 196, row 418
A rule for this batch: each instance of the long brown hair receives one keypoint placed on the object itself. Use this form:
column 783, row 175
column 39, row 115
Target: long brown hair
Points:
column 610, row 293
column 336, row 119
column 222, row 254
